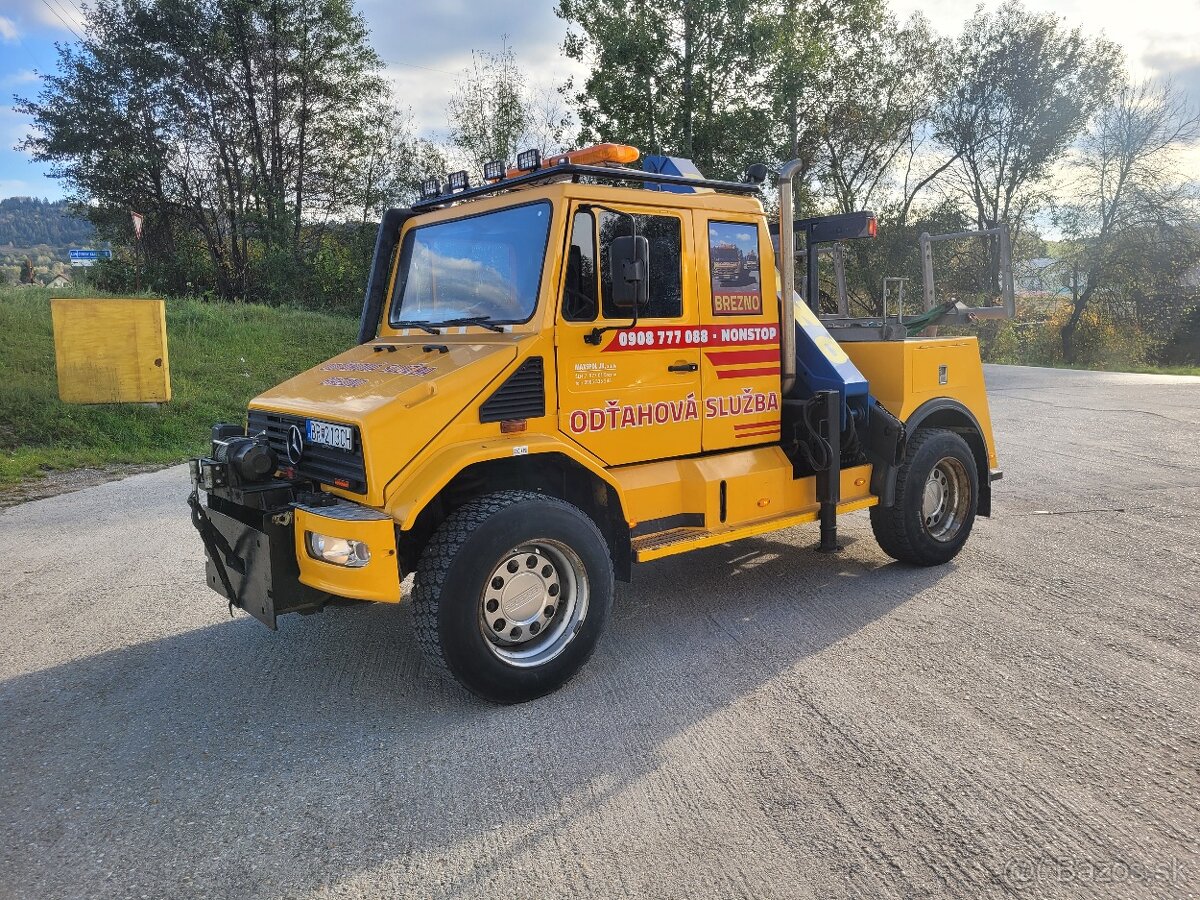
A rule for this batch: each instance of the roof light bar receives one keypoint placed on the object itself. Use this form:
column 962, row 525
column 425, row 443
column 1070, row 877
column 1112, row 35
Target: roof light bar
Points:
column 494, row 170
column 430, row 188
column 529, row 160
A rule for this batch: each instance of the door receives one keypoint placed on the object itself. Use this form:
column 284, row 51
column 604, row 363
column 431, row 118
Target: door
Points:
column 739, row 314
column 634, row 394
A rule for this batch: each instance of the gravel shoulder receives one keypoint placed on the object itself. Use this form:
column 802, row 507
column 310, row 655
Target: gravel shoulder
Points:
column 759, row 721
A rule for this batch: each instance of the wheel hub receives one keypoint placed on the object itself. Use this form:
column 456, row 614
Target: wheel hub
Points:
column 934, row 503
column 523, row 597
column 945, row 501
column 534, row 602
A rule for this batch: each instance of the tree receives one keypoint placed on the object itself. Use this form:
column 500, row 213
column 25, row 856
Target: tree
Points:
column 1025, row 90
column 684, row 77
column 875, row 100
column 1134, row 216
column 236, row 126
column 494, row 115
column 813, row 50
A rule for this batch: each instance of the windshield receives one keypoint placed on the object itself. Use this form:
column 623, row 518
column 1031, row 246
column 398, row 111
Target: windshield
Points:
column 487, row 266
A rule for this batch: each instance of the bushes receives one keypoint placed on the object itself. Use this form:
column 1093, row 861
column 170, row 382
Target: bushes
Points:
column 1034, row 339
column 328, row 275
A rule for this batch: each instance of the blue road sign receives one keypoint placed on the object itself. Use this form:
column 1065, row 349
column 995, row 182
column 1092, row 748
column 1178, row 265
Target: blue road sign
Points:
column 88, row 257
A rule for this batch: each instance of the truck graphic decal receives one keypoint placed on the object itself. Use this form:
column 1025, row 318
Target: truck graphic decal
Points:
column 614, row 415
column 654, row 337
column 744, row 363
column 733, row 269
column 416, row 370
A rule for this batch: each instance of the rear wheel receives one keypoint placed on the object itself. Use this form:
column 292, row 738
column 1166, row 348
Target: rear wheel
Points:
column 511, row 594
column 937, row 492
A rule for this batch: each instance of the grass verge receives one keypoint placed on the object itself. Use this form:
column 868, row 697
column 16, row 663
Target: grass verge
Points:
column 221, row 355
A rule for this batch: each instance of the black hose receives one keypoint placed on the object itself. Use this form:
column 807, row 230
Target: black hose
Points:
column 814, row 448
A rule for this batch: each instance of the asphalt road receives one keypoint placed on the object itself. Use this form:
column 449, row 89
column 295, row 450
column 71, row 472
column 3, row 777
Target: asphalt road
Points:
column 759, row 721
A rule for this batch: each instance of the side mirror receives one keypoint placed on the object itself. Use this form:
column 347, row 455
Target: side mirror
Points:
column 629, row 262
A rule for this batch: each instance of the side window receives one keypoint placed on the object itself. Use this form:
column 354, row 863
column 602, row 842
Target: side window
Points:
column 666, row 264
column 733, row 269
column 579, row 287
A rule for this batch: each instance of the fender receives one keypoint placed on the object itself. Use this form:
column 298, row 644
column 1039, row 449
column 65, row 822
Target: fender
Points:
column 945, row 412
column 418, row 487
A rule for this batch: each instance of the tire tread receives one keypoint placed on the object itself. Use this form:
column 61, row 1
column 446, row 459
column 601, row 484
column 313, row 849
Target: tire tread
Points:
column 893, row 535
column 440, row 553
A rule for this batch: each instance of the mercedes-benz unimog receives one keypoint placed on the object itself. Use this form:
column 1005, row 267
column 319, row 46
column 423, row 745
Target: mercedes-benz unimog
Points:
column 553, row 381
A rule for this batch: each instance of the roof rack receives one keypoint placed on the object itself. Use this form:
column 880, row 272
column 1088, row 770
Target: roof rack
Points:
column 608, row 174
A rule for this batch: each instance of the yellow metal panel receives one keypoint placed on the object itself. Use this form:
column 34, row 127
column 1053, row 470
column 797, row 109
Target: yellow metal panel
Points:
column 739, row 366
column 378, row 580
column 111, row 351
column 633, row 397
column 408, row 495
column 758, row 488
column 695, row 539
column 905, row 374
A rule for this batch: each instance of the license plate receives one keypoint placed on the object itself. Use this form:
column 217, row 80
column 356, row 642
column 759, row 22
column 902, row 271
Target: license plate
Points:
column 339, row 436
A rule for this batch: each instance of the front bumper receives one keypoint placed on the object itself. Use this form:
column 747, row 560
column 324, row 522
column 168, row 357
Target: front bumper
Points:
column 255, row 555
column 378, row 580
column 257, row 559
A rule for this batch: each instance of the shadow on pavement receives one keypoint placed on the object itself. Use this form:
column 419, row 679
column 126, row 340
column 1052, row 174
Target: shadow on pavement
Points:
column 232, row 760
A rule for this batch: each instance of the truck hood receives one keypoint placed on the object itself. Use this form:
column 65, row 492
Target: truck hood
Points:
column 399, row 398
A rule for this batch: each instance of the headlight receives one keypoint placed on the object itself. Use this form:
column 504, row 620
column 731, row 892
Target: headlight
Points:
column 339, row 551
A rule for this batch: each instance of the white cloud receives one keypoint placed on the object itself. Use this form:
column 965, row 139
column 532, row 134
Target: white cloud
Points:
column 64, row 17
column 1141, row 32
column 8, row 29
column 23, row 76
column 14, row 128
column 426, row 49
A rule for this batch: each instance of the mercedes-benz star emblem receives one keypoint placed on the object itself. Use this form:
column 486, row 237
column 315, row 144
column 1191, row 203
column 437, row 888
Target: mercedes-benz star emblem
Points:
column 295, row 444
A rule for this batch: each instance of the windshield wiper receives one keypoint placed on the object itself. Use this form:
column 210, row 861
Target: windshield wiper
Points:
column 413, row 323
column 484, row 321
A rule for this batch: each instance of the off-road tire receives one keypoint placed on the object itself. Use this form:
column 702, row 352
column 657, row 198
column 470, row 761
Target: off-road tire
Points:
column 900, row 529
column 451, row 578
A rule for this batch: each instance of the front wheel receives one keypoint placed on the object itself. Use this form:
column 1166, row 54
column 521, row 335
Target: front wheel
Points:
column 937, row 492
column 511, row 594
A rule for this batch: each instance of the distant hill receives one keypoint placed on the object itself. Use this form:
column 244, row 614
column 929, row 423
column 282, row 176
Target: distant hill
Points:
column 29, row 222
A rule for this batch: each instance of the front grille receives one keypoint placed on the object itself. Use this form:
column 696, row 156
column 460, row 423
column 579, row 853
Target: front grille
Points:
column 328, row 465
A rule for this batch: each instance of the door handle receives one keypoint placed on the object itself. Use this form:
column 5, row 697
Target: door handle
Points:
column 683, row 367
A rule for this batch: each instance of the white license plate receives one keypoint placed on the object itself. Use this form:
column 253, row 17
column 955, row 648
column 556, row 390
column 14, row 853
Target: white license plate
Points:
column 339, row 436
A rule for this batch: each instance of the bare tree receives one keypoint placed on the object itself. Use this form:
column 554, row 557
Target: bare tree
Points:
column 488, row 111
column 1025, row 90
column 876, row 101
column 1132, row 201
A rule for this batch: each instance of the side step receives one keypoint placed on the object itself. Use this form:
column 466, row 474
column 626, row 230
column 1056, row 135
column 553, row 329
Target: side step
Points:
column 681, row 540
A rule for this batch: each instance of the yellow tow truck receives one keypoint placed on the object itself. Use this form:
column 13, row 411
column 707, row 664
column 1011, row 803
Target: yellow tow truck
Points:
column 551, row 384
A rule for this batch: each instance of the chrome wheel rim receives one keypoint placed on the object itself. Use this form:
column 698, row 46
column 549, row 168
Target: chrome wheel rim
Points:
column 946, row 498
column 533, row 603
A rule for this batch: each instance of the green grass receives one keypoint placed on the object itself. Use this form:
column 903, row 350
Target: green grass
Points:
column 1136, row 368
column 221, row 355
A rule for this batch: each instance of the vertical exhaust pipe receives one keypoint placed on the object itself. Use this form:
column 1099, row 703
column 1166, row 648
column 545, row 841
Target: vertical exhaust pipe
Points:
column 787, row 276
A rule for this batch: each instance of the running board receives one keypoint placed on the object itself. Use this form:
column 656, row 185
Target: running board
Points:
column 681, row 540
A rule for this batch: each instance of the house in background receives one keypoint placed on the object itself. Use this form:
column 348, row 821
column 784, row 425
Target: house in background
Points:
column 1044, row 282
column 57, row 282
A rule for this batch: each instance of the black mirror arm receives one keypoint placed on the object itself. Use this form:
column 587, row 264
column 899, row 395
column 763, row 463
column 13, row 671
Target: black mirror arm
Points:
column 593, row 337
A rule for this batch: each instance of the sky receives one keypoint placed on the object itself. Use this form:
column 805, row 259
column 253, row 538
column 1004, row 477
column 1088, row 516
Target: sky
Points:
column 426, row 44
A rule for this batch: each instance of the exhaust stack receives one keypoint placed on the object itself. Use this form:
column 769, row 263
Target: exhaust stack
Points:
column 787, row 276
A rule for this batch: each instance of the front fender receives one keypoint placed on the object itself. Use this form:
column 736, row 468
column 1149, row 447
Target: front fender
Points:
column 413, row 490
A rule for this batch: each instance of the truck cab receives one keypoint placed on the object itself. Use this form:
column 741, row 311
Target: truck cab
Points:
column 567, row 370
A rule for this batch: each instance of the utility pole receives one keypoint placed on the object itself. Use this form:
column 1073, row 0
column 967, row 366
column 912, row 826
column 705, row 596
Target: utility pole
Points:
column 138, row 218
